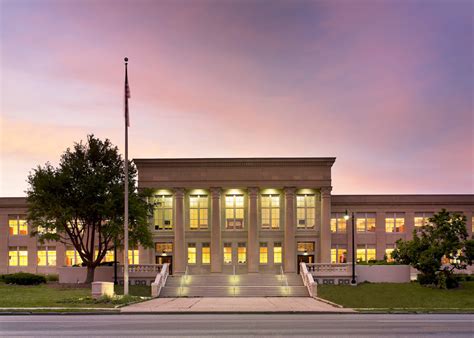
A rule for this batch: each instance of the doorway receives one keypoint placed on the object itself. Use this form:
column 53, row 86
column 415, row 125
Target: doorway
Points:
column 165, row 259
column 305, row 259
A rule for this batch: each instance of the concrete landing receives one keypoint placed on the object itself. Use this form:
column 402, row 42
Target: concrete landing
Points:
column 234, row 304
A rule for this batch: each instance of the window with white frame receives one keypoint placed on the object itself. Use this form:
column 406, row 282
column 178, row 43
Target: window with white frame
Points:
column 198, row 212
column 163, row 212
column 305, row 211
column 192, row 253
column 18, row 256
column 263, row 253
column 46, row 256
column 270, row 211
column 234, row 212
column 365, row 222
column 133, row 256
column 422, row 218
column 227, row 253
column 365, row 253
column 241, row 253
column 18, row 225
column 338, row 223
column 72, row 256
column 395, row 222
column 388, row 252
column 277, row 253
column 338, row 254
column 206, row 253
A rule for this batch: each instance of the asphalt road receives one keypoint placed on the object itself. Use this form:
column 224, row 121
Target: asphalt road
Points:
column 354, row 325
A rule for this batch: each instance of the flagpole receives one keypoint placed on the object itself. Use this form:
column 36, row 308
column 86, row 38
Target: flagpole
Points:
column 125, row 225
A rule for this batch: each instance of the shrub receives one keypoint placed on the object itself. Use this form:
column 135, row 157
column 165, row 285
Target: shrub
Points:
column 52, row 278
column 24, row 278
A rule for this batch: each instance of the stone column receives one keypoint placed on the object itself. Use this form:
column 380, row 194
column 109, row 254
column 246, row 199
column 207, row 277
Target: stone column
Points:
column 216, row 240
column 252, row 241
column 325, row 233
column 179, row 259
column 4, row 230
column 289, row 249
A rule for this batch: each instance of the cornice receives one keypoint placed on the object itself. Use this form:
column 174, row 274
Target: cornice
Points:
column 345, row 200
column 236, row 162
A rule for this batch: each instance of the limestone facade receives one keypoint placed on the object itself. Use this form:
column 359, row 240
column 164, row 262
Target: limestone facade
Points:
column 250, row 215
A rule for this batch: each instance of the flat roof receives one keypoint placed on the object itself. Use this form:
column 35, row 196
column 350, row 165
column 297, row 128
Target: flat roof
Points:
column 237, row 161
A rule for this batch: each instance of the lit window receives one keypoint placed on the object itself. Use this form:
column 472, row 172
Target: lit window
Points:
column 365, row 222
column 227, row 253
column 305, row 211
column 163, row 249
column 395, row 222
column 365, row 253
column 277, row 253
column 305, row 247
column 163, row 212
column 338, row 223
column 109, row 256
column 18, row 256
column 198, row 212
column 270, row 211
column 234, row 212
column 338, row 254
column 18, row 225
column 263, row 253
column 72, row 257
column 206, row 253
column 241, row 253
column 47, row 256
column 422, row 218
column 133, row 257
column 191, row 253
column 388, row 253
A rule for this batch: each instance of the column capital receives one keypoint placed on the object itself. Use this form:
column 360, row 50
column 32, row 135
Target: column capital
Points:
column 215, row 192
column 253, row 192
column 179, row 192
column 290, row 192
column 326, row 192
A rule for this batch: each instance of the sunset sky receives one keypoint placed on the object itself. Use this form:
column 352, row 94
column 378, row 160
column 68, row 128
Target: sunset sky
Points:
column 384, row 86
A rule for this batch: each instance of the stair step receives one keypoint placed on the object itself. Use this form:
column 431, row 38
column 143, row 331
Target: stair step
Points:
column 238, row 291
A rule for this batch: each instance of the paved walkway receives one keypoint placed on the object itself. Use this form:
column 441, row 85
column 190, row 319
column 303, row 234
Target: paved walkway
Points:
column 238, row 304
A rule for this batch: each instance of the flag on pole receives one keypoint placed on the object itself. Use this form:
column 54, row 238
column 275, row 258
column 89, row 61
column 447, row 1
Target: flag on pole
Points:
column 127, row 95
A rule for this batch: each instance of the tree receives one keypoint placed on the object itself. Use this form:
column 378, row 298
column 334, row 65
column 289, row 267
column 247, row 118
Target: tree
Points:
column 81, row 202
column 437, row 249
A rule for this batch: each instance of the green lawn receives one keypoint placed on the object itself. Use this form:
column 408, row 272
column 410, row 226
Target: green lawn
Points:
column 399, row 296
column 56, row 296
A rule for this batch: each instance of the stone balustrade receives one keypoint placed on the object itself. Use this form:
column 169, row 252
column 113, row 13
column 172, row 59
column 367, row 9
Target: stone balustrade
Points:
column 329, row 269
column 143, row 268
column 160, row 280
column 308, row 280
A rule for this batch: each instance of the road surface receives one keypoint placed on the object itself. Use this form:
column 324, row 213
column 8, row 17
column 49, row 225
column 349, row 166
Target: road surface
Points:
column 283, row 325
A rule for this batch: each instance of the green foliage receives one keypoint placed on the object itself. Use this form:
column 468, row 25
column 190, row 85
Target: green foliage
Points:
column 52, row 278
column 82, row 201
column 437, row 249
column 24, row 278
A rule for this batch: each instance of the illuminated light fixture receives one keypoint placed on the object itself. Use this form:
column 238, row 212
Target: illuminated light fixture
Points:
column 305, row 253
column 346, row 215
column 163, row 253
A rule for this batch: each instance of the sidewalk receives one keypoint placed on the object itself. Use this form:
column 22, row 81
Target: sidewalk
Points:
column 238, row 304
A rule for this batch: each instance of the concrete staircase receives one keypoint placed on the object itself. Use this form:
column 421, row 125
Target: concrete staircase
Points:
column 249, row 285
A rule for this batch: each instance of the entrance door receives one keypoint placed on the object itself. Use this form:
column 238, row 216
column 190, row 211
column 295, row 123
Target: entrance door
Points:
column 305, row 259
column 165, row 259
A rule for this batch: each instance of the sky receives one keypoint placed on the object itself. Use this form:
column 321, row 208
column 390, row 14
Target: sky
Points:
column 386, row 87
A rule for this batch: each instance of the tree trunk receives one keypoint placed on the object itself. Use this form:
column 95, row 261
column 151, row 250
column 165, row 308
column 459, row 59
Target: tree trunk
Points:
column 90, row 274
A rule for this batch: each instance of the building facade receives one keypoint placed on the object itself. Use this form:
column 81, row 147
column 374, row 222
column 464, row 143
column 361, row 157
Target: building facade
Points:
column 250, row 215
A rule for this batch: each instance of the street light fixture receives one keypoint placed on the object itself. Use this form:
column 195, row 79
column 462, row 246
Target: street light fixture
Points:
column 346, row 217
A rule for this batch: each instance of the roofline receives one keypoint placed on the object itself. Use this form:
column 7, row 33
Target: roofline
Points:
column 237, row 161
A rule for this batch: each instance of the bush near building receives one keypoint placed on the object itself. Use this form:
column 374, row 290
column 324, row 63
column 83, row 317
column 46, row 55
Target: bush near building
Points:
column 438, row 249
column 23, row 278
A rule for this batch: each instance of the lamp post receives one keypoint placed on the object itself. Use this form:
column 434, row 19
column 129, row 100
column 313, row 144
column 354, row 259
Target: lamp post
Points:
column 346, row 217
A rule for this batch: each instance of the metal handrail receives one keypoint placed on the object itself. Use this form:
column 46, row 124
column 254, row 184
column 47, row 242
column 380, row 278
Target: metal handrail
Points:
column 285, row 278
column 183, row 279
